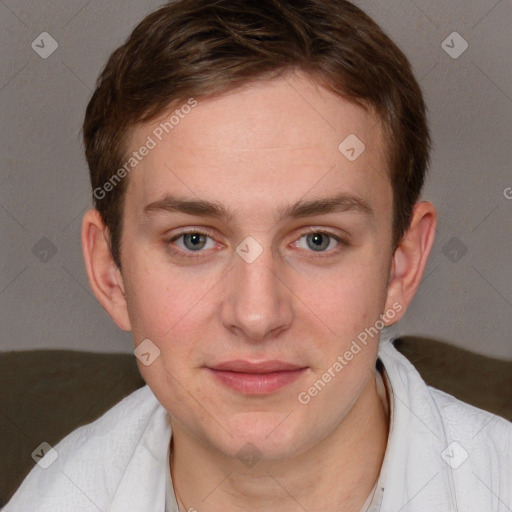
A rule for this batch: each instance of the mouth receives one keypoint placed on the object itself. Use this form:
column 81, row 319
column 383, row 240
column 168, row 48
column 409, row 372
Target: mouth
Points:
column 256, row 378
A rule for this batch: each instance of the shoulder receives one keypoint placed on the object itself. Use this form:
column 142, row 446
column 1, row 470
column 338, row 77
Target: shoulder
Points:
column 470, row 447
column 474, row 426
column 128, row 417
column 89, row 461
column 457, row 417
column 478, row 452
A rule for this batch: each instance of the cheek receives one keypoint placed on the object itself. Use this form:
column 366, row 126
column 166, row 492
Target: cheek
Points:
column 164, row 309
column 171, row 309
column 160, row 301
column 351, row 297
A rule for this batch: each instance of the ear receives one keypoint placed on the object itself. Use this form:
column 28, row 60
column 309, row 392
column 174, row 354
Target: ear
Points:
column 410, row 259
column 104, row 276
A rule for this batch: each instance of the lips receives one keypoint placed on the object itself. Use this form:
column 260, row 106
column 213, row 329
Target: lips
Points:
column 239, row 365
column 256, row 378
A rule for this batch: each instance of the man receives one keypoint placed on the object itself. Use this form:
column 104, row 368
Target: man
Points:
column 256, row 169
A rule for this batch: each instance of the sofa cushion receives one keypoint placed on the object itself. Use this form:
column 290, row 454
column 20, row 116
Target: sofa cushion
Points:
column 479, row 380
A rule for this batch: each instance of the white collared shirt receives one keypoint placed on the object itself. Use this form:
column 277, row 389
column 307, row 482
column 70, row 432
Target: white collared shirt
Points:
column 442, row 455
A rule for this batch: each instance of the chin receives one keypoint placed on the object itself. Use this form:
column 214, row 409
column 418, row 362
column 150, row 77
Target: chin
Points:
column 263, row 435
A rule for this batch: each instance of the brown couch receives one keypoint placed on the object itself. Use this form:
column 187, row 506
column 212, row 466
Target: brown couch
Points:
column 45, row 394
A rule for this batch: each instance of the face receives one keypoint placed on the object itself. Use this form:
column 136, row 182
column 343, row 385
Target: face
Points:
column 249, row 309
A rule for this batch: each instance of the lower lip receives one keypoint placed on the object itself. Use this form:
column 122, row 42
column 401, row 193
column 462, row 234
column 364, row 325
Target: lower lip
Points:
column 257, row 383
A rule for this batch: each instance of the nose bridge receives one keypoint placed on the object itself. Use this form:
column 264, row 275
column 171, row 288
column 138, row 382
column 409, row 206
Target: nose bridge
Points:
column 256, row 303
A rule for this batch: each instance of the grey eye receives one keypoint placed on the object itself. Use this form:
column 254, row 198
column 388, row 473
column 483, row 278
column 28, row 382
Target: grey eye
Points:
column 318, row 241
column 194, row 241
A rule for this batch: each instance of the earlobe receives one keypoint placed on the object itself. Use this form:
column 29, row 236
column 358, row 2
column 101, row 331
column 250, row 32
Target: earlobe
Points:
column 410, row 258
column 104, row 276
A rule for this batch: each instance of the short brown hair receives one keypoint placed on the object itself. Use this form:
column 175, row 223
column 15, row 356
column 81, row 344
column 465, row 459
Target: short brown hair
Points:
column 202, row 48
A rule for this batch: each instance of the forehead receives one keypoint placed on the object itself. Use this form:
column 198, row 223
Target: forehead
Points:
column 265, row 145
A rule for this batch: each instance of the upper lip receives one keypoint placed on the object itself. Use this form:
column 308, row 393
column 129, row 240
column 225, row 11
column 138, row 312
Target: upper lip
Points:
column 242, row 366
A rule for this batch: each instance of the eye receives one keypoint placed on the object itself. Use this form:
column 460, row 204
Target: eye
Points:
column 319, row 241
column 191, row 242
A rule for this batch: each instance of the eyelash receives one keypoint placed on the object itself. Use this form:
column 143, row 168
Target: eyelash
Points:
column 198, row 254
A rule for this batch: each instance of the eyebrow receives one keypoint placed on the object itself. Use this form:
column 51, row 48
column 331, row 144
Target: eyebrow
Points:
column 203, row 208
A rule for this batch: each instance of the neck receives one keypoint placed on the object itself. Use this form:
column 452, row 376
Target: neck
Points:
column 337, row 473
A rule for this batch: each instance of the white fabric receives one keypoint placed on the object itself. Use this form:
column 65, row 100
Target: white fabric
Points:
column 119, row 463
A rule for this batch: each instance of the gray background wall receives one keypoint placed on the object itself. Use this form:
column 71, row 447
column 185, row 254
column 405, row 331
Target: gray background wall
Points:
column 466, row 294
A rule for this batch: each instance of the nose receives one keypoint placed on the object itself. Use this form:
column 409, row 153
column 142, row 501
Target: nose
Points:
column 258, row 303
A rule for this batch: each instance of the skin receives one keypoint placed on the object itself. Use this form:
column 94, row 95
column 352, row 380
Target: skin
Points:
column 257, row 150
